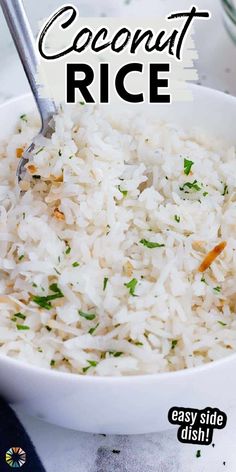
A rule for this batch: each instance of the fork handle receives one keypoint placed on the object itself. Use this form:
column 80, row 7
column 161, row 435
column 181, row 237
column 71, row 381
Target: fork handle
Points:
column 22, row 35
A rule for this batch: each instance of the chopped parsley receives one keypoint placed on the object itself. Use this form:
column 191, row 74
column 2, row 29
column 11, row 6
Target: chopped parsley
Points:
column 40, row 150
column 204, row 280
column 22, row 327
column 150, row 245
column 198, row 453
column 19, row 315
column 188, row 166
column 75, row 264
column 45, row 302
column 115, row 354
column 82, row 103
column 21, row 257
column 177, row 218
column 87, row 316
column 52, row 363
column 191, row 186
column 105, row 280
column 34, row 285
column 68, row 250
column 226, row 190
column 205, row 194
column 131, row 286
column 217, row 289
column 91, row 364
column 222, row 323
column 24, row 118
column 174, row 343
column 91, row 330
column 124, row 192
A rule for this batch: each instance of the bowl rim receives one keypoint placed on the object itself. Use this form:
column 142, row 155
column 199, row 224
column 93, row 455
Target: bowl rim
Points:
column 136, row 378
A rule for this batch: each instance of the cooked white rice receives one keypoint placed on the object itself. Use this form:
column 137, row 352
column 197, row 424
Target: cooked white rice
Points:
column 109, row 180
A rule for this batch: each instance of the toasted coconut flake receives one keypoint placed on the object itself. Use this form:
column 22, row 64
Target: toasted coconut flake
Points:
column 32, row 169
column 128, row 269
column 102, row 262
column 57, row 178
column 198, row 246
column 19, row 152
column 24, row 185
column 59, row 215
column 211, row 256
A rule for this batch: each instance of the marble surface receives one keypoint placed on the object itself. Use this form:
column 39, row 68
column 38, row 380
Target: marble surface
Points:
column 79, row 452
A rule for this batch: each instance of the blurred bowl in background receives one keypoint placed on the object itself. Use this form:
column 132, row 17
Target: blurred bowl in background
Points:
column 229, row 12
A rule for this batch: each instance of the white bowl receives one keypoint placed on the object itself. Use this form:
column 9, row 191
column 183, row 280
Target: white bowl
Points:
column 137, row 404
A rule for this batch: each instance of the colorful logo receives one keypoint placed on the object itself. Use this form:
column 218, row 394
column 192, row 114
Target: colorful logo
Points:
column 15, row 457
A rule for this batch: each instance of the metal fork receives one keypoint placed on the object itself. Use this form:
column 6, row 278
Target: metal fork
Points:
column 23, row 38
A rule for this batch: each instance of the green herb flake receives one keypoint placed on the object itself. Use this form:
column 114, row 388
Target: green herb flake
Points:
column 40, row 150
column 82, row 103
column 87, row 316
column 150, row 245
column 174, row 343
column 54, row 288
column 191, row 186
column 75, row 264
column 59, row 153
column 23, row 215
column 22, row 327
column 188, row 166
column 217, row 289
column 203, row 280
column 115, row 353
column 222, row 323
column 205, row 194
column 52, row 363
column 131, row 286
column 198, row 453
column 45, row 302
column 92, row 330
column 19, row 315
column 105, row 281
column 124, row 192
column 24, row 118
column 21, row 257
column 68, row 250
column 91, row 364
column 34, row 285
column 39, row 349
column 226, row 190
column 177, row 218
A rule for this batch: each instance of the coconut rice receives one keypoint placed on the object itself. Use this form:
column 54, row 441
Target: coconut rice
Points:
column 100, row 257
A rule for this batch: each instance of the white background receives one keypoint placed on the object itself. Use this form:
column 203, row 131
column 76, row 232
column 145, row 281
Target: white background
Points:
column 78, row 452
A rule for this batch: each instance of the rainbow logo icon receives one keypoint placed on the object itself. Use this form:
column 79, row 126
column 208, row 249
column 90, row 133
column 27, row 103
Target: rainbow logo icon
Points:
column 15, row 457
